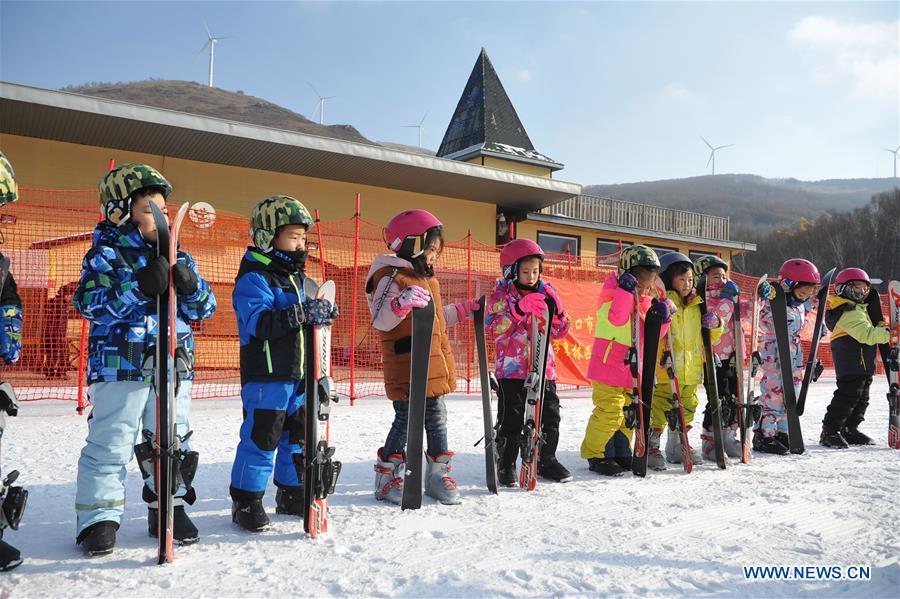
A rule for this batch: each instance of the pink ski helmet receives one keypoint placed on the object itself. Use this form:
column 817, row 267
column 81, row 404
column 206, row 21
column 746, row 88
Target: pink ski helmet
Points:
column 797, row 271
column 515, row 251
column 843, row 280
column 407, row 228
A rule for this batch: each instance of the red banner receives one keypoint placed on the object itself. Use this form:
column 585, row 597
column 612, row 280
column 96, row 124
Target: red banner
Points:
column 574, row 351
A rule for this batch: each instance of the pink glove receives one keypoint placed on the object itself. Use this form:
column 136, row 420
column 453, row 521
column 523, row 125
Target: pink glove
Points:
column 710, row 321
column 533, row 303
column 411, row 297
column 465, row 308
column 551, row 293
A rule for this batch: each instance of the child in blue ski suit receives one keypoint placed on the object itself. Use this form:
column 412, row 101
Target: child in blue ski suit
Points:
column 121, row 277
column 271, row 309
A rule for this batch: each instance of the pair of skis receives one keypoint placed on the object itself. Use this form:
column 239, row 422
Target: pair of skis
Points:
column 890, row 355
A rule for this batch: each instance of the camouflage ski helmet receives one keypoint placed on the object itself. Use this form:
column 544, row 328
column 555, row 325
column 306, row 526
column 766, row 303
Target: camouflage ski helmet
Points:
column 704, row 263
column 637, row 255
column 118, row 186
column 9, row 191
column 274, row 212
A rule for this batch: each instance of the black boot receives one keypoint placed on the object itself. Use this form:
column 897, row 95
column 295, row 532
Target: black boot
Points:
column 506, row 475
column 289, row 500
column 853, row 436
column 98, row 538
column 605, row 466
column 9, row 557
column 550, row 468
column 784, row 439
column 768, row 445
column 625, row 463
column 249, row 514
column 832, row 438
column 183, row 530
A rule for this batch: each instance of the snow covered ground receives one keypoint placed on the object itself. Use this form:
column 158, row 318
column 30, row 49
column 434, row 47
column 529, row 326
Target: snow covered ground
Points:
column 668, row 534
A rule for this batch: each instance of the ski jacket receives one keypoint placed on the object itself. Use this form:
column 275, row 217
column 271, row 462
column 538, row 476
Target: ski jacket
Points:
column 123, row 320
column 687, row 341
column 725, row 346
column 511, row 333
column 267, row 284
column 10, row 314
column 388, row 276
column 796, row 319
column 612, row 334
column 853, row 337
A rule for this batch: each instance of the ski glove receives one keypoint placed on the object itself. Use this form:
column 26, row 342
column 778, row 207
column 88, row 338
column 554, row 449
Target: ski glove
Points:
column 319, row 312
column 411, row 297
column 10, row 333
column 627, row 282
column 551, row 293
column 465, row 308
column 186, row 281
column 663, row 309
column 533, row 303
column 766, row 291
column 730, row 292
column 153, row 279
column 710, row 321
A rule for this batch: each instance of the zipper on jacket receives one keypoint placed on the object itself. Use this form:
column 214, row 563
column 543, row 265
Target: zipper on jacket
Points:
column 268, row 355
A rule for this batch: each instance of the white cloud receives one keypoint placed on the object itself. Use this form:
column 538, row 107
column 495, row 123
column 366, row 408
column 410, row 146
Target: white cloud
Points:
column 522, row 74
column 866, row 53
column 677, row 93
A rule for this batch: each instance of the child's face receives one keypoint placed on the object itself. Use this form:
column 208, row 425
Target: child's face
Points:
column 530, row 271
column 683, row 284
column 646, row 279
column 805, row 291
column 290, row 238
column 859, row 289
column 717, row 275
column 432, row 251
column 142, row 214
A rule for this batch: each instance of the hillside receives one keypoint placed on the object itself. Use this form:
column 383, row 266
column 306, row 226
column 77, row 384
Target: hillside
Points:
column 750, row 200
column 194, row 98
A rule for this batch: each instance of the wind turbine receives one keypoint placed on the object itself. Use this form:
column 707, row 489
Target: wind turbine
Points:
column 712, row 153
column 419, row 127
column 321, row 103
column 894, row 152
column 211, row 42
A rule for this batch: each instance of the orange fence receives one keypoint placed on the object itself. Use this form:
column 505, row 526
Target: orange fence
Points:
column 46, row 234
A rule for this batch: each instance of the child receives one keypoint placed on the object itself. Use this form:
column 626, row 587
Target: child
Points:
column 121, row 277
column 854, row 338
column 271, row 309
column 10, row 337
column 607, row 438
column 722, row 299
column 677, row 274
column 800, row 280
column 396, row 284
column 521, row 293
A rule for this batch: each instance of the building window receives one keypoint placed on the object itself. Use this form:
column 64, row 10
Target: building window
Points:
column 661, row 250
column 605, row 247
column 554, row 243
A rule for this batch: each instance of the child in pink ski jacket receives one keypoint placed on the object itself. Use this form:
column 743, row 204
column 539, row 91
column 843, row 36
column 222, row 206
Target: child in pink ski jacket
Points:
column 517, row 298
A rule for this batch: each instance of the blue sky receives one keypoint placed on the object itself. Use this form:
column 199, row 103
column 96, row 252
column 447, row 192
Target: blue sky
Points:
column 617, row 91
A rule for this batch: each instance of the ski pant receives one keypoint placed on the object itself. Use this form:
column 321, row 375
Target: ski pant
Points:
column 435, row 427
column 120, row 411
column 726, row 383
column 606, row 435
column 662, row 403
column 273, row 427
column 848, row 405
column 774, row 417
column 511, row 418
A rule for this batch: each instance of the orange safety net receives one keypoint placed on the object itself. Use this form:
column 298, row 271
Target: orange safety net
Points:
column 47, row 232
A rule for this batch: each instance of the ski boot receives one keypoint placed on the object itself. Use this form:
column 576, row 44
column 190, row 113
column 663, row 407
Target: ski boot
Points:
column 550, row 469
column 438, row 482
column 853, row 436
column 183, row 530
column 98, row 538
column 732, row 443
column 768, row 444
column 606, row 466
column 708, row 447
column 624, row 463
column 249, row 514
column 389, row 477
column 833, row 439
column 655, row 460
column 9, row 557
column 290, row 501
column 673, row 447
column 506, row 475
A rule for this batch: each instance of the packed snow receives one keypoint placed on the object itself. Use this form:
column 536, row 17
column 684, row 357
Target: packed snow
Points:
column 668, row 534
